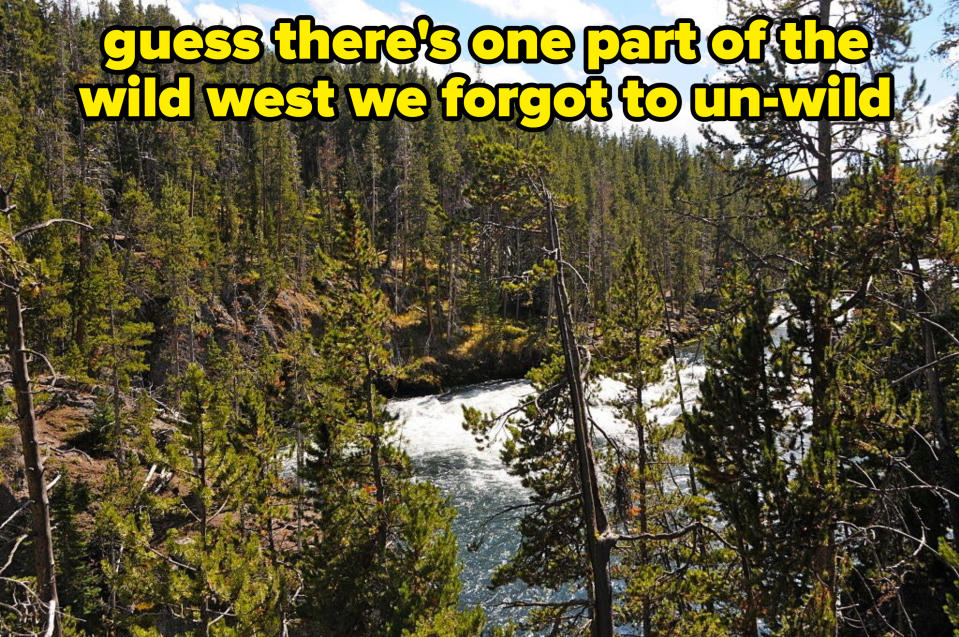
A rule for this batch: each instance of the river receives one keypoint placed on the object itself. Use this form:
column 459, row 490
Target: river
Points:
column 476, row 481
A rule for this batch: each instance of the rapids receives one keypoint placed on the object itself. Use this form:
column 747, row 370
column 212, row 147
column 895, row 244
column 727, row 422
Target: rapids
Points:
column 478, row 485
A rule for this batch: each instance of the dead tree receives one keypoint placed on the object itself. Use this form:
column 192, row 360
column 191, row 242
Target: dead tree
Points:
column 12, row 273
column 599, row 542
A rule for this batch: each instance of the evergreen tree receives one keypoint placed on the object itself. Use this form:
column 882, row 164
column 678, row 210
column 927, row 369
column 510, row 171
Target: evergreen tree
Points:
column 734, row 438
column 387, row 559
column 635, row 355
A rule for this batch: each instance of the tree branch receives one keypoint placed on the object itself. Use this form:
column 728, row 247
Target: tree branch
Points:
column 49, row 222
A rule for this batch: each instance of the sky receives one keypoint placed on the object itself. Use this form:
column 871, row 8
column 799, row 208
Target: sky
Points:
column 466, row 15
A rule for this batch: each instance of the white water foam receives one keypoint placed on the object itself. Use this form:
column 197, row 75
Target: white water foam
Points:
column 478, row 485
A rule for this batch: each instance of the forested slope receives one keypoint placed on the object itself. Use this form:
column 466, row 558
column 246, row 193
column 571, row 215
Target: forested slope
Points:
column 213, row 313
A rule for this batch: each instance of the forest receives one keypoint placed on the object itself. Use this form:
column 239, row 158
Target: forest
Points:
column 207, row 325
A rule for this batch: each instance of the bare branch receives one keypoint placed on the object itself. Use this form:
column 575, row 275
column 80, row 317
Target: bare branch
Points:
column 23, row 507
column 614, row 538
column 919, row 370
column 49, row 222
column 53, row 372
column 172, row 561
column 13, row 552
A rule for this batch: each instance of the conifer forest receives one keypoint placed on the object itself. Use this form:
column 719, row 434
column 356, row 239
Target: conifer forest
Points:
column 707, row 388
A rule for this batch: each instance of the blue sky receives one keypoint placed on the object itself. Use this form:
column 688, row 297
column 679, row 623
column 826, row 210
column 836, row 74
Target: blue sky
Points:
column 574, row 14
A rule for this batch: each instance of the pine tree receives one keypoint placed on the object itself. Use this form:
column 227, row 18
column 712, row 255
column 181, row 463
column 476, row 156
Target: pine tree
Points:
column 210, row 572
column 651, row 500
column 117, row 339
column 15, row 276
column 822, row 255
column 550, row 441
column 226, row 571
column 635, row 355
column 123, row 524
column 733, row 438
column 386, row 558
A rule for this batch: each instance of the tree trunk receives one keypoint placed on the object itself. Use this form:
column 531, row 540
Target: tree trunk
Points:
column 643, row 501
column 750, row 625
column 376, row 462
column 598, row 545
column 450, row 292
column 823, row 372
column 36, row 484
column 200, row 464
column 117, row 400
column 427, row 305
column 948, row 467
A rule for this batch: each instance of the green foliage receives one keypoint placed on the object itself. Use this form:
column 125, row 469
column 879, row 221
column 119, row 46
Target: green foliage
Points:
column 646, row 500
column 950, row 556
column 386, row 562
column 733, row 439
column 209, row 569
column 539, row 449
column 632, row 334
column 451, row 623
column 81, row 586
column 232, row 300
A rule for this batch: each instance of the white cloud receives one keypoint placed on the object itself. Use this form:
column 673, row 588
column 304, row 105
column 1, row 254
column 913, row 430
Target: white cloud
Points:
column 570, row 13
column 490, row 74
column 266, row 15
column 410, row 12
column 179, row 11
column 209, row 14
column 573, row 73
column 504, row 73
column 353, row 12
column 707, row 14
column 952, row 56
column 87, row 7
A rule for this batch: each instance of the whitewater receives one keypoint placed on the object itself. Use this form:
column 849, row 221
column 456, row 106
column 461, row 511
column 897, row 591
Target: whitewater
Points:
column 477, row 483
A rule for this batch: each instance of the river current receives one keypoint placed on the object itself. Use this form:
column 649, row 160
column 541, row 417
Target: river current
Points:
column 478, row 485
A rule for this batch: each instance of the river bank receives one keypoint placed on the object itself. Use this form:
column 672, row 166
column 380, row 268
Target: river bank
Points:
column 484, row 352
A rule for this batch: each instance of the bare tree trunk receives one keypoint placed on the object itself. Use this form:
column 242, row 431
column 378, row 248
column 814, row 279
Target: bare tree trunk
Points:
column 450, row 292
column 639, row 420
column 948, row 466
column 117, row 400
column 26, row 418
column 36, row 484
column 643, row 501
column 598, row 545
column 750, row 623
